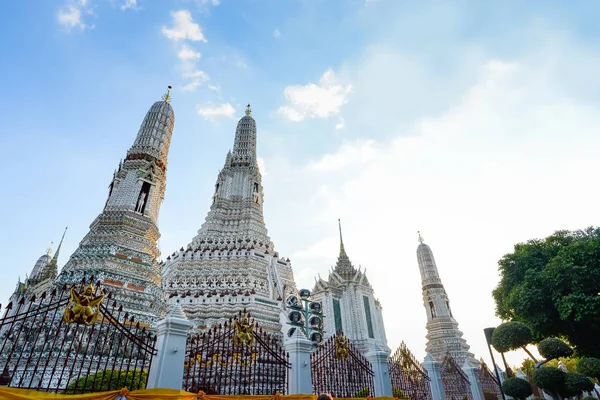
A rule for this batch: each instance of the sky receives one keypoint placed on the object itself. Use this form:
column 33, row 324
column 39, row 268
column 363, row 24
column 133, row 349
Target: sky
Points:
column 474, row 122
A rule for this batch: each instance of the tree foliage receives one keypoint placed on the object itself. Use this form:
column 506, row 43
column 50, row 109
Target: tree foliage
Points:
column 517, row 388
column 549, row 378
column 108, row 380
column 510, row 336
column 552, row 348
column 589, row 367
column 576, row 384
column 552, row 285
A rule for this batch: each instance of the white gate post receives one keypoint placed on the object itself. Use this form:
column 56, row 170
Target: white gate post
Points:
column 381, row 380
column 299, row 349
column 166, row 371
column 471, row 372
column 435, row 378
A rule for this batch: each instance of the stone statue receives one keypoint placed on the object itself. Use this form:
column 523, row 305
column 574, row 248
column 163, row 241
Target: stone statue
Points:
column 140, row 202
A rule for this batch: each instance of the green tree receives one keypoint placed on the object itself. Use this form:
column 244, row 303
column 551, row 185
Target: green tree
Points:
column 589, row 367
column 576, row 384
column 552, row 286
column 511, row 336
column 108, row 380
column 551, row 379
column 516, row 387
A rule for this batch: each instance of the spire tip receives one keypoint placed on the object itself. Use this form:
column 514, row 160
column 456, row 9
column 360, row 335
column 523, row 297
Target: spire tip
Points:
column 248, row 110
column 167, row 96
column 420, row 237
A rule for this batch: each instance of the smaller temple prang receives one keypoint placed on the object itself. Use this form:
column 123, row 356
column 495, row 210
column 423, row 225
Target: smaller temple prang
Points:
column 350, row 305
column 443, row 335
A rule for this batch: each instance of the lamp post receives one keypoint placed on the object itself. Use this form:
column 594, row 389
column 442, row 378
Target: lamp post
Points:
column 488, row 337
column 306, row 315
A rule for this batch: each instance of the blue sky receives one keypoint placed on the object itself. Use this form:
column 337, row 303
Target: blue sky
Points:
column 474, row 122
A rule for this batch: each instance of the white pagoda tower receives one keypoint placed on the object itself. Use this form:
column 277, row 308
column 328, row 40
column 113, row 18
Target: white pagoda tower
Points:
column 350, row 306
column 121, row 247
column 443, row 335
column 232, row 265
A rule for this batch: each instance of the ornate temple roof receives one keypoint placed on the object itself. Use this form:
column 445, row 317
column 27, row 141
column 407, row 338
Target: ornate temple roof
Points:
column 344, row 267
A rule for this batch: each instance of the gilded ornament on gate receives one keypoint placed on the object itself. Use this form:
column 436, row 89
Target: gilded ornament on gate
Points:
column 244, row 332
column 83, row 303
column 341, row 347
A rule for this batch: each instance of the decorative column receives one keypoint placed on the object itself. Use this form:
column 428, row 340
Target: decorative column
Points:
column 299, row 349
column 166, row 371
column 381, row 380
column 435, row 378
column 471, row 372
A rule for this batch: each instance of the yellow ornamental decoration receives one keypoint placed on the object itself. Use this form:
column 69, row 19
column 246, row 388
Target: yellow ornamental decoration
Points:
column 80, row 309
column 244, row 332
column 341, row 347
column 223, row 361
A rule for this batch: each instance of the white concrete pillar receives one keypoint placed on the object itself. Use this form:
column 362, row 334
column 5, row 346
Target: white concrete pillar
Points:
column 471, row 372
column 299, row 348
column 166, row 371
column 381, row 380
column 435, row 378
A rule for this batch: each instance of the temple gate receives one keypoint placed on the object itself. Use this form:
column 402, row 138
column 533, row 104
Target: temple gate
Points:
column 237, row 357
column 456, row 383
column 409, row 379
column 338, row 368
column 487, row 380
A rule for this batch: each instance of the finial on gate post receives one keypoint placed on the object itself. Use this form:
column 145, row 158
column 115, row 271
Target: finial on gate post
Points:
column 248, row 110
column 420, row 237
column 167, row 96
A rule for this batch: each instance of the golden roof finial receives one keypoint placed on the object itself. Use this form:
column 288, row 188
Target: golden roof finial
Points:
column 49, row 249
column 167, row 96
column 248, row 110
column 420, row 237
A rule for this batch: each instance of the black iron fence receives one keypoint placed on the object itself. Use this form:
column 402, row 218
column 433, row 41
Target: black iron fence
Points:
column 237, row 357
column 409, row 379
column 456, row 383
column 338, row 368
column 73, row 339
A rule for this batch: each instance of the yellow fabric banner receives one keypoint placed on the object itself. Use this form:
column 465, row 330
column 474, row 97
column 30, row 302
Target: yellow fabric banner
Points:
column 148, row 394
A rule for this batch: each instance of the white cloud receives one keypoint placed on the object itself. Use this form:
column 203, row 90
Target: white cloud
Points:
column 276, row 33
column 213, row 2
column 183, row 27
column 210, row 113
column 355, row 153
column 129, row 4
column 503, row 160
column 315, row 101
column 188, row 54
column 71, row 15
column 341, row 123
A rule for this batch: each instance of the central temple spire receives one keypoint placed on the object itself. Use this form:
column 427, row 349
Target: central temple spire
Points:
column 231, row 265
column 236, row 215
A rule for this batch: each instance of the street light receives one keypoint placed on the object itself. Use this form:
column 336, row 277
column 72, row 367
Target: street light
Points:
column 306, row 315
column 488, row 337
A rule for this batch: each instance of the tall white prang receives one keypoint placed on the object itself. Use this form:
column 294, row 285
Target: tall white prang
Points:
column 231, row 264
column 121, row 248
column 443, row 335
